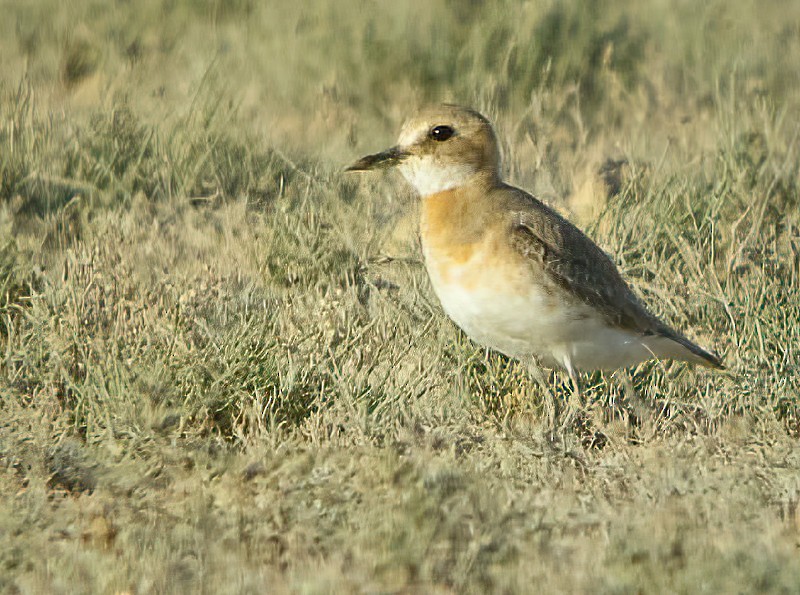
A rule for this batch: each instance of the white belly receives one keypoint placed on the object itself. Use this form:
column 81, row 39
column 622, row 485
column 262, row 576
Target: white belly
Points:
column 548, row 325
column 515, row 325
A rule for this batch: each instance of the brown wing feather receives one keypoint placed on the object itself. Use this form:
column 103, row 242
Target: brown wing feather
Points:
column 578, row 265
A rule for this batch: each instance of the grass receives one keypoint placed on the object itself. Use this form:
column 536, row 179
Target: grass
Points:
column 222, row 368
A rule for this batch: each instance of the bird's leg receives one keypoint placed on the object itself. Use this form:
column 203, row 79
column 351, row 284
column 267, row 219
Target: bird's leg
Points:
column 640, row 409
column 575, row 403
column 589, row 424
column 550, row 402
column 576, row 397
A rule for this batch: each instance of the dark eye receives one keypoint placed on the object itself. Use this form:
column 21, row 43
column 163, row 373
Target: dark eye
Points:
column 441, row 133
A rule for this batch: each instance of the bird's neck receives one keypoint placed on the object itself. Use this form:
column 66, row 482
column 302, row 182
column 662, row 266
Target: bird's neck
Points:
column 457, row 215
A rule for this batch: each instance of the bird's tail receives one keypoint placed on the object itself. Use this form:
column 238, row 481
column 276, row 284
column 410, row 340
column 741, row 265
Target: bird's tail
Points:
column 675, row 346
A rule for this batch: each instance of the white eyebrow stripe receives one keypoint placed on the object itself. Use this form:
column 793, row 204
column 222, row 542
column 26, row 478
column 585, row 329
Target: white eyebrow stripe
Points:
column 412, row 136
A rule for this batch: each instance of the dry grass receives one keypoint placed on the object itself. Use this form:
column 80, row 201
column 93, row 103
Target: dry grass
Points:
column 214, row 379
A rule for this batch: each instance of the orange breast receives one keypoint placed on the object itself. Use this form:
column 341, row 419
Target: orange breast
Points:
column 466, row 246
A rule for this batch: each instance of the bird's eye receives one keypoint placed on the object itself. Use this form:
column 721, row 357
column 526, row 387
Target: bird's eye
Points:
column 441, row 133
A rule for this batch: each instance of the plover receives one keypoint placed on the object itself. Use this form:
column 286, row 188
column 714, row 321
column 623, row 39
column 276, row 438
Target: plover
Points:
column 513, row 274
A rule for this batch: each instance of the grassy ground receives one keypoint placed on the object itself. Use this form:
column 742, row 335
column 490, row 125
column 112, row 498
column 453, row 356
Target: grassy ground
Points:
column 222, row 368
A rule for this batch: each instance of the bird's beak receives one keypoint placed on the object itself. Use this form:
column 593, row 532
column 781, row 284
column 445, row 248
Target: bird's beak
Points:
column 381, row 160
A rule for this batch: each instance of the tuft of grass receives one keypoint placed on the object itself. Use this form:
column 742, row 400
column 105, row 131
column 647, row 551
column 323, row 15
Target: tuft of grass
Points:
column 222, row 366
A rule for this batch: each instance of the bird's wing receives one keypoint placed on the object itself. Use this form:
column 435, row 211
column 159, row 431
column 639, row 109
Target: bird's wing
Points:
column 577, row 265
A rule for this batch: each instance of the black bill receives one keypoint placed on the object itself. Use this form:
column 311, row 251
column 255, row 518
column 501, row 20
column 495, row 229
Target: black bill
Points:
column 386, row 158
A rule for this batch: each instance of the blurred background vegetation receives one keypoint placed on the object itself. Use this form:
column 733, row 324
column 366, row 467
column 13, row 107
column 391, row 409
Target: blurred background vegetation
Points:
column 222, row 368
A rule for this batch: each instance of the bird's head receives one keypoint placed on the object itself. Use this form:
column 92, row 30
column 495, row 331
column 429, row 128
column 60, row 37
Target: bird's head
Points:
column 439, row 149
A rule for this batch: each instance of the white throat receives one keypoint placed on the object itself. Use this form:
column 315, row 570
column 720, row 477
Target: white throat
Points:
column 429, row 177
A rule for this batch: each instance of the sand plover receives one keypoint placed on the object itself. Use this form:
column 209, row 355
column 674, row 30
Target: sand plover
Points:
column 511, row 272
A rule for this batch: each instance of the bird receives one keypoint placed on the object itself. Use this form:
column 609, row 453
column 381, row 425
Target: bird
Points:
column 511, row 272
